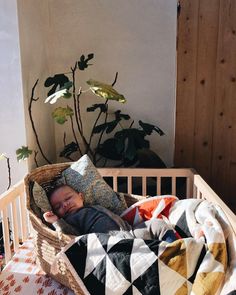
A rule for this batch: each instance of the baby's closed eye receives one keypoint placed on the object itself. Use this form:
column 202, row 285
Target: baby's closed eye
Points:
column 57, row 207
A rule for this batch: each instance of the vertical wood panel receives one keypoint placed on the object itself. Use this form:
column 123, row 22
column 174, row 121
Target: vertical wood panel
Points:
column 231, row 185
column 232, row 178
column 206, row 136
column 205, row 85
column 186, row 76
column 225, row 100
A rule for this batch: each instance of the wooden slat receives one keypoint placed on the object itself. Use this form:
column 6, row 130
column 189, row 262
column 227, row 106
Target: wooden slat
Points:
column 129, row 185
column 208, row 22
column 11, row 194
column 189, row 189
column 194, row 192
column 144, row 186
column 6, row 237
column 198, row 194
column 23, row 213
column 225, row 117
column 186, row 78
column 115, row 188
column 139, row 172
column 15, row 228
column 173, row 185
column 159, row 186
column 7, row 201
column 157, row 173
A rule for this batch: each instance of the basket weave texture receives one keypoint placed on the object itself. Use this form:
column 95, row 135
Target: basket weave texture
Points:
column 48, row 243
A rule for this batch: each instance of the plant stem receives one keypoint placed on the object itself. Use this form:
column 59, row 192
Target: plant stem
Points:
column 101, row 134
column 73, row 131
column 35, row 158
column 32, row 122
column 9, row 172
column 78, row 110
column 94, row 125
column 131, row 124
column 78, row 117
column 75, row 101
column 114, row 82
column 64, row 139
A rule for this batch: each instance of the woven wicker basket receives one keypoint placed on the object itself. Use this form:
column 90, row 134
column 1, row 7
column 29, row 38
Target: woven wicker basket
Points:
column 48, row 243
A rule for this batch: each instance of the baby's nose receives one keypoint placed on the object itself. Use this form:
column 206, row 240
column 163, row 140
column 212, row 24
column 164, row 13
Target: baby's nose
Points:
column 65, row 204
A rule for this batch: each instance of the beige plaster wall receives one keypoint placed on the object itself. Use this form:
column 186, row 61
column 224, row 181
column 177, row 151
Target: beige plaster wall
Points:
column 34, row 31
column 135, row 38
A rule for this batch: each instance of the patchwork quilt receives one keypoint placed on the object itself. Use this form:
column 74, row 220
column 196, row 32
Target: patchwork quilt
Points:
column 201, row 261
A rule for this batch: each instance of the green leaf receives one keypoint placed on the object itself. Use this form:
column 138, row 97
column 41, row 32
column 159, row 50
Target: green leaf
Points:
column 149, row 159
column 101, row 106
column 138, row 135
column 105, row 91
column 109, row 127
column 99, row 128
column 149, row 128
column 67, row 85
column 23, row 153
column 83, row 62
column 69, row 149
column 120, row 116
column 57, row 81
column 124, row 116
column 131, row 150
column 67, row 95
column 108, row 150
column 131, row 139
column 60, row 114
column 53, row 98
column 120, row 144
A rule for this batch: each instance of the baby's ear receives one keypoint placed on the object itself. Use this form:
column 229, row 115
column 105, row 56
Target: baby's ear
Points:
column 81, row 195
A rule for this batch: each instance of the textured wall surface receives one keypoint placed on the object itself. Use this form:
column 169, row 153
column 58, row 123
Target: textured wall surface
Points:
column 137, row 39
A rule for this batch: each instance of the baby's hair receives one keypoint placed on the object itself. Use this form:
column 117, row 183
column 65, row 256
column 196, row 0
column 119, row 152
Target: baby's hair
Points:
column 52, row 184
column 54, row 188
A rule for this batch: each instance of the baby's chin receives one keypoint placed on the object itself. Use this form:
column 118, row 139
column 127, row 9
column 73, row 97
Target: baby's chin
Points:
column 72, row 210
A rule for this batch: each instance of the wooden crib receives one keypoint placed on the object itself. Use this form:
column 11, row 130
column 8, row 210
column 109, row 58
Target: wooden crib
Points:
column 13, row 202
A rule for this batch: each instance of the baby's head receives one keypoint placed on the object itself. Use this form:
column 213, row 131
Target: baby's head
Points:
column 65, row 200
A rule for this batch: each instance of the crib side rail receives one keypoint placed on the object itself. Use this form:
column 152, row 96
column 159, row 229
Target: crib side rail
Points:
column 14, row 218
column 203, row 191
column 144, row 173
column 195, row 185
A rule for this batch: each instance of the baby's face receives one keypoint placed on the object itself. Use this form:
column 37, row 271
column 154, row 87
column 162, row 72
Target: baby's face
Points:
column 65, row 201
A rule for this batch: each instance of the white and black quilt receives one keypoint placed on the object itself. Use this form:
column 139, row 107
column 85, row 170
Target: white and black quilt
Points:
column 104, row 264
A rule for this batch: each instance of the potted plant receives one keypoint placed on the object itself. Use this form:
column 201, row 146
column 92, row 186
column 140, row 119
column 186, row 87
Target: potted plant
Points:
column 125, row 146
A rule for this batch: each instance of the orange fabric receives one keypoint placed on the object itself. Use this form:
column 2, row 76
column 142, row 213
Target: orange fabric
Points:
column 149, row 208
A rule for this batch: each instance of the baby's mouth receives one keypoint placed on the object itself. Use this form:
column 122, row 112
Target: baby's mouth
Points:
column 70, row 210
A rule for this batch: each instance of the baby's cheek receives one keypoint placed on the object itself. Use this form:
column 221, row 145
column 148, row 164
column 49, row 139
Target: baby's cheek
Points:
column 60, row 213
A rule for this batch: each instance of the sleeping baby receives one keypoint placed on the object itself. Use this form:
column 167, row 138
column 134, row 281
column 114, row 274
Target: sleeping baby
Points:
column 71, row 216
